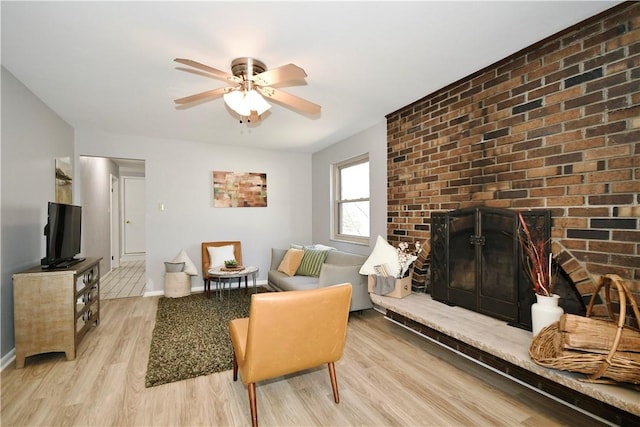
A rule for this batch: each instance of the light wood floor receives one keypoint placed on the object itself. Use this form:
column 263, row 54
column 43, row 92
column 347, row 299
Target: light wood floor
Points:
column 127, row 280
column 388, row 376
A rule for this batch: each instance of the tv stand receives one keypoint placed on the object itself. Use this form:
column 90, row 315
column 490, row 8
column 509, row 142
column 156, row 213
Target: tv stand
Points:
column 54, row 309
column 63, row 264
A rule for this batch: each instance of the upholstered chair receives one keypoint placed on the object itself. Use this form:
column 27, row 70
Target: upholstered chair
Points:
column 288, row 332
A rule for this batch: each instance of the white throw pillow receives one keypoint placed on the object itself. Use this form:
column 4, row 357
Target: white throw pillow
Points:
column 317, row 246
column 189, row 267
column 383, row 253
column 219, row 254
column 322, row 247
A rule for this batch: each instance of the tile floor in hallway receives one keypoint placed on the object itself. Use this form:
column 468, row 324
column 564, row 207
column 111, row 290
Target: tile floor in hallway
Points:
column 128, row 280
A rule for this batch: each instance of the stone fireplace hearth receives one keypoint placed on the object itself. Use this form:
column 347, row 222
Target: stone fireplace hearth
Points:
column 553, row 126
column 502, row 348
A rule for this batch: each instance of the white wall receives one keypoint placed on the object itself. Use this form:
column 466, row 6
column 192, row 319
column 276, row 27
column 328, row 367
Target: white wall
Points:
column 94, row 175
column 179, row 175
column 374, row 142
column 32, row 137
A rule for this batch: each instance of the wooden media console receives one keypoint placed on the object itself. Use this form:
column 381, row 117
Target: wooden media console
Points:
column 54, row 309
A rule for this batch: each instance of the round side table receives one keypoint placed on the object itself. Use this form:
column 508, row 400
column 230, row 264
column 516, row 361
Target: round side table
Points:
column 220, row 274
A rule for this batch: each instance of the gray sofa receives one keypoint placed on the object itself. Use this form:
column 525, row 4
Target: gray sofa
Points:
column 338, row 267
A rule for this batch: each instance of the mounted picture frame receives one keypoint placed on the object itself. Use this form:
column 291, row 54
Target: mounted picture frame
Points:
column 239, row 189
column 63, row 180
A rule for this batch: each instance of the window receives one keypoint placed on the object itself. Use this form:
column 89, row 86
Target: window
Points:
column 351, row 200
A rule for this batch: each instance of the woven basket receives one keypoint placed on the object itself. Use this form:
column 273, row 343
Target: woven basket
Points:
column 177, row 284
column 605, row 366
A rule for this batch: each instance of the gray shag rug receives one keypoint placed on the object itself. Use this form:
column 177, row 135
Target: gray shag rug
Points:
column 191, row 335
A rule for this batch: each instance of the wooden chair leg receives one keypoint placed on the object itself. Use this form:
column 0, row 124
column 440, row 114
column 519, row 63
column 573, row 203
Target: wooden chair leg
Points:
column 334, row 382
column 235, row 366
column 252, row 404
column 207, row 287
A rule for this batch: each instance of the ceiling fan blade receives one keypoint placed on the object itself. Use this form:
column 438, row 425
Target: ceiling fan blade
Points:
column 290, row 100
column 215, row 72
column 204, row 95
column 281, row 74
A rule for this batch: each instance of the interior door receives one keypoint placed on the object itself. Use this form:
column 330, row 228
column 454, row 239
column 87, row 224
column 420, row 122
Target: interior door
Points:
column 114, row 207
column 134, row 221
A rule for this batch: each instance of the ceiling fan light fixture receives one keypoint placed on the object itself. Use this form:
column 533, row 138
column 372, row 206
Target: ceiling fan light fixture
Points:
column 244, row 102
column 250, row 85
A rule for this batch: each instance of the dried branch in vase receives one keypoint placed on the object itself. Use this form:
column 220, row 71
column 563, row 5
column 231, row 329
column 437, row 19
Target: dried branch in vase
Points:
column 537, row 262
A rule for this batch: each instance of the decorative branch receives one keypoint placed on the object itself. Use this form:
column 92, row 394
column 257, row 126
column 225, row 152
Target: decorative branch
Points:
column 537, row 261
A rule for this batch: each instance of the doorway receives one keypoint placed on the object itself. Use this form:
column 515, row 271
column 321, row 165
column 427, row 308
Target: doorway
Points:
column 105, row 210
column 115, row 221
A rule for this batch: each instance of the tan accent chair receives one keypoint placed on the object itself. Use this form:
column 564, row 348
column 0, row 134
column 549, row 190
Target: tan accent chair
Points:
column 237, row 251
column 288, row 332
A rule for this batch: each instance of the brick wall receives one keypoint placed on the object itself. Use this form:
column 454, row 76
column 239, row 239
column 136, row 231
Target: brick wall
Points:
column 555, row 126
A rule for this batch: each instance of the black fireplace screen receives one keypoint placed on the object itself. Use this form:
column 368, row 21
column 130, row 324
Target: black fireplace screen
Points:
column 476, row 262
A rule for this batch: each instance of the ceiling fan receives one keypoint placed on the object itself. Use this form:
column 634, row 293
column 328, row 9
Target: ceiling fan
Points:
column 251, row 82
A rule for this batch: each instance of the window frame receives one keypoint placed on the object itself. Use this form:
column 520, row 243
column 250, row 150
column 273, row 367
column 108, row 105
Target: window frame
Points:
column 337, row 201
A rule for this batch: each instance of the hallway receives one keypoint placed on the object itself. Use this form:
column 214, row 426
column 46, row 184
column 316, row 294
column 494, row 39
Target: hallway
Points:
column 128, row 280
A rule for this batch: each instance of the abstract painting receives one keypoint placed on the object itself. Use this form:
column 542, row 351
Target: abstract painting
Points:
column 239, row 189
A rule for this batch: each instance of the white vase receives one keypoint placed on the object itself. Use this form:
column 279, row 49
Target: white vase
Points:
column 544, row 312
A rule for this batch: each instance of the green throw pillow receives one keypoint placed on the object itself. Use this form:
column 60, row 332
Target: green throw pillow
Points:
column 312, row 261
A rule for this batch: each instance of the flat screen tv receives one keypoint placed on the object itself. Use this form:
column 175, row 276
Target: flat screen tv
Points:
column 62, row 232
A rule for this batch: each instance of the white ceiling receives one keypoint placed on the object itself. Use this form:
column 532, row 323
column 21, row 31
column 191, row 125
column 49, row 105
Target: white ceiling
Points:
column 109, row 65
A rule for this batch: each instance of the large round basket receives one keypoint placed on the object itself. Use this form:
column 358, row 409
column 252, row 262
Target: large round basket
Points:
column 601, row 365
column 177, row 284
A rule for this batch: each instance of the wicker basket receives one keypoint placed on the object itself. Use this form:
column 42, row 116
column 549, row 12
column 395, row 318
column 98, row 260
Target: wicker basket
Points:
column 605, row 366
column 177, row 284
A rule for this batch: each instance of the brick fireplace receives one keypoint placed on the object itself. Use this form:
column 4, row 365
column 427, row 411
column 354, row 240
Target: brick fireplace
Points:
column 555, row 126
column 476, row 261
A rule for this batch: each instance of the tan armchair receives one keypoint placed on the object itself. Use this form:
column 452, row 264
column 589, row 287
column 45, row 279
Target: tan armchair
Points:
column 288, row 332
column 237, row 251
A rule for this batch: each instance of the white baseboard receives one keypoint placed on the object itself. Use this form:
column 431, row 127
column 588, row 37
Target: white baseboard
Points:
column 152, row 294
column 200, row 289
column 7, row 359
column 194, row 290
